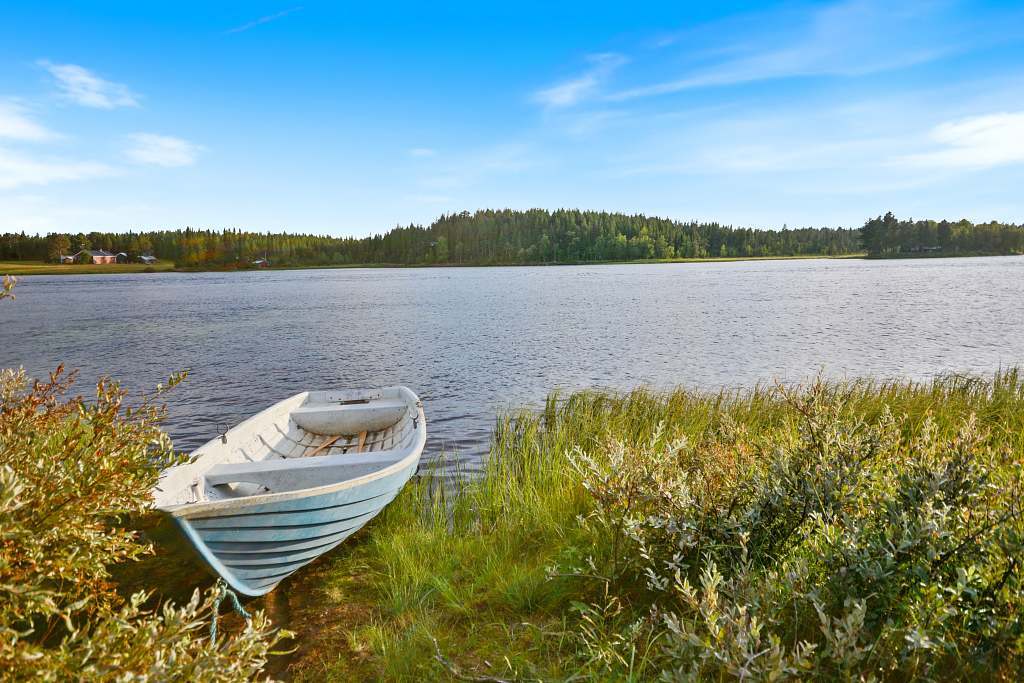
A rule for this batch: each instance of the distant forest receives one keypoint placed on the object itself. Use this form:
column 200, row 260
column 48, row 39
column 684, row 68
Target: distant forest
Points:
column 887, row 236
column 534, row 236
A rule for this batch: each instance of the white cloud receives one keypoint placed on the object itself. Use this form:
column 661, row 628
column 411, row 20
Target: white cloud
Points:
column 83, row 87
column 161, row 150
column 570, row 92
column 422, row 152
column 844, row 39
column 567, row 93
column 54, row 211
column 975, row 142
column 263, row 20
column 585, row 123
column 16, row 125
column 17, row 170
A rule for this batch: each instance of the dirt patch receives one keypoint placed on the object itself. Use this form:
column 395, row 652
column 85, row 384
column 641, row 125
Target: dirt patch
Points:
column 323, row 604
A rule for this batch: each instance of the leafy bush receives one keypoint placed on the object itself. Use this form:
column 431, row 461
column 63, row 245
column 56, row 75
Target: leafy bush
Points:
column 852, row 548
column 71, row 471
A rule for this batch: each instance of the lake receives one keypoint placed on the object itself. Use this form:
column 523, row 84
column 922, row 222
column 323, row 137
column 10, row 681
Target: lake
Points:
column 474, row 341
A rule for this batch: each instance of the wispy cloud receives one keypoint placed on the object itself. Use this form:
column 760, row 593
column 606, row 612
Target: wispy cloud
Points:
column 850, row 38
column 824, row 144
column 572, row 91
column 422, row 152
column 719, row 154
column 161, row 150
column 17, row 170
column 583, row 123
column 976, row 142
column 50, row 211
column 15, row 124
column 469, row 171
column 81, row 86
column 263, row 20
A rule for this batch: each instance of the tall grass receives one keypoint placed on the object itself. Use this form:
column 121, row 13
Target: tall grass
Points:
column 862, row 529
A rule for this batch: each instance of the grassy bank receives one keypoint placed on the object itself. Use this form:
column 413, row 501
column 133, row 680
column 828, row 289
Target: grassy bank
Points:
column 20, row 268
column 838, row 531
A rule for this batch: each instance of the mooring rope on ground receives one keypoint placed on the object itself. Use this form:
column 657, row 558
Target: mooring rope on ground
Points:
column 222, row 592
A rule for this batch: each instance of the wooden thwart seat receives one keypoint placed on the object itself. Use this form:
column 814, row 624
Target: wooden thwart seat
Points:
column 288, row 474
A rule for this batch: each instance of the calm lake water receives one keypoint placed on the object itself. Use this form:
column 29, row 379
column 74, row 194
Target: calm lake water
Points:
column 472, row 341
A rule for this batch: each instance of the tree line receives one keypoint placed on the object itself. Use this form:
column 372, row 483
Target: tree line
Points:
column 494, row 237
column 888, row 236
column 482, row 238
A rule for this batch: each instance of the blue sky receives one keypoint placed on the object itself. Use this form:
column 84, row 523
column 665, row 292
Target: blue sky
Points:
column 349, row 119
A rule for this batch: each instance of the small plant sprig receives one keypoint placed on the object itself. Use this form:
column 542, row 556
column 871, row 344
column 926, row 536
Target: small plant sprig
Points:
column 7, row 287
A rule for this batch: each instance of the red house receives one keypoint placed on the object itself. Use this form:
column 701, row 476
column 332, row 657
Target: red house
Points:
column 95, row 256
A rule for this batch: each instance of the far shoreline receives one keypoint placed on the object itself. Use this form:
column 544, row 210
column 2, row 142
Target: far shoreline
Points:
column 28, row 268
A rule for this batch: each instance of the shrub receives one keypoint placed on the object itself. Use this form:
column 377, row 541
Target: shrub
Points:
column 71, row 471
column 854, row 548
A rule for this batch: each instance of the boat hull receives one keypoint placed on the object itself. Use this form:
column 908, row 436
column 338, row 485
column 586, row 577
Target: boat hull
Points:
column 255, row 546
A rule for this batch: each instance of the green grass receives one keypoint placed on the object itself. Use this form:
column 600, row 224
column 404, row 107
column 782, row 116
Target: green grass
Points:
column 539, row 570
column 19, row 268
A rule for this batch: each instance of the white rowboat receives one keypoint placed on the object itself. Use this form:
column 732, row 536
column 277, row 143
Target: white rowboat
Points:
column 293, row 481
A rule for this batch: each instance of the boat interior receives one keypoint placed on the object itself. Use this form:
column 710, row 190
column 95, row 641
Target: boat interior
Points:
column 313, row 439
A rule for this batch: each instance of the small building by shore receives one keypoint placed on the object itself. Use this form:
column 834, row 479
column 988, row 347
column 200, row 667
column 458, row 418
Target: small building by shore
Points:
column 101, row 257
column 95, row 256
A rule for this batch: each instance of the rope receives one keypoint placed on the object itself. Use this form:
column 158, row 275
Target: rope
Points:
column 222, row 592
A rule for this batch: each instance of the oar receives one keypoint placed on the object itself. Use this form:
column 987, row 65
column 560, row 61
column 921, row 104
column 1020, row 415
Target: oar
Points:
column 328, row 442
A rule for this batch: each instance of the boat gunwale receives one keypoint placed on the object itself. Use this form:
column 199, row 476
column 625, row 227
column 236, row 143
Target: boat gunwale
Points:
column 187, row 511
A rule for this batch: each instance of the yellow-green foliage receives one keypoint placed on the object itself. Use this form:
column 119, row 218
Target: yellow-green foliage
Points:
column 7, row 286
column 860, row 530
column 70, row 471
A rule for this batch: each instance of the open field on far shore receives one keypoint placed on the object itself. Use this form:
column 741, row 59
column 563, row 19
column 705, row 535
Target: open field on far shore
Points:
column 43, row 268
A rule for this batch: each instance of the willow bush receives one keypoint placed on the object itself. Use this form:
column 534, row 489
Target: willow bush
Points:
column 854, row 542
column 71, row 472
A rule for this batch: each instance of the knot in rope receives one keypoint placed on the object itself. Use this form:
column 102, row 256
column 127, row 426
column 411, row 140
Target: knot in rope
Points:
column 224, row 592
